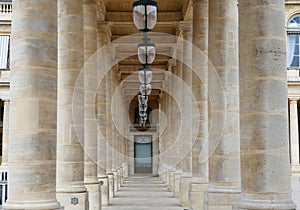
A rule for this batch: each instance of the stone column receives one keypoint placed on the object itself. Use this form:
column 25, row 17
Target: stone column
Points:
column 71, row 191
column 5, row 136
column 224, row 162
column 90, row 122
column 186, row 28
column 102, row 165
column 294, row 135
column 263, row 104
column 178, row 73
column 199, row 182
column 33, row 81
column 114, row 142
column 109, row 150
column 173, row 112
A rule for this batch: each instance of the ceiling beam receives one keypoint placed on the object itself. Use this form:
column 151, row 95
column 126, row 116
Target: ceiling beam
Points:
column 118, row 16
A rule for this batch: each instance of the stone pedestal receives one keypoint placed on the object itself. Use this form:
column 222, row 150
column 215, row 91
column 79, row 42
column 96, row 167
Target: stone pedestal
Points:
column 115, row 181
column 111, row 185
column 197, row 189
column 171, row 181
column 221, row 198
column 104, row 190
column 73, row 201
column 94, row 195
column 176, row 180
column 184, row 189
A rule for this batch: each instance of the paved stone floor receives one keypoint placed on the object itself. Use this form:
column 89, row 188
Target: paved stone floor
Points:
column 144, row 193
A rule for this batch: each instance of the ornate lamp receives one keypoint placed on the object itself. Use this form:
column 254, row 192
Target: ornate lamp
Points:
column 143, row 99
column 146, row 53
column 145, row 76
column 145, row 14
column 143, row 107
column 145, row 89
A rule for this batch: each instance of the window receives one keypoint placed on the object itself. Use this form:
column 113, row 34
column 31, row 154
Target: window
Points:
column 4, row 52
column 293, row 47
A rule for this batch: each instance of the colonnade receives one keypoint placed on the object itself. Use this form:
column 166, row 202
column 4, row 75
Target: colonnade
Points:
column 57, row 160
column 241, row 167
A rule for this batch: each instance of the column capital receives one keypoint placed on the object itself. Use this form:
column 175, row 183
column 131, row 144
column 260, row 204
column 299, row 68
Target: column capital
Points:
column 293, row 100
column 185, row 26
column 171, row 63
column 104, row 28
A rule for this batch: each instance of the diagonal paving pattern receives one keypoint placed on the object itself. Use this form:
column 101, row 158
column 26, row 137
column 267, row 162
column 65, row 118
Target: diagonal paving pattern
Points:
column 144, row 192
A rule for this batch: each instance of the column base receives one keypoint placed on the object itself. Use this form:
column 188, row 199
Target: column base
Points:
column 171, row 181
column 184, row 189
column 73, row 200
column 51, row 205
column 119, row 175
column 94, row 195
column 104, row 190
column 111, row 185
column 221, row 198
column 245, row 204
column 176, row 180
column 197, row 189
column 115, row 181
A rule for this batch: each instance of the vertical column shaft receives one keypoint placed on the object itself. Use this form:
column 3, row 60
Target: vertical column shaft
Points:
column 294, row 132
column 265, row 164
column 224, row 163
column 70, row 130
column 33, row 81
column 90, row 120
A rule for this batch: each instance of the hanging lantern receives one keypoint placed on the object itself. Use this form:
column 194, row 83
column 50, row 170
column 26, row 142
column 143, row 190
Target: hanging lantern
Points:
column 145, row 14
column 146, row 53
column 142, row 113
column 142, row 107
column 143, row 99
column 145, row 89
column 145, row 76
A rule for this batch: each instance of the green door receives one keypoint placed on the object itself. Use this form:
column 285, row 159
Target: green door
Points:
column 142, row 158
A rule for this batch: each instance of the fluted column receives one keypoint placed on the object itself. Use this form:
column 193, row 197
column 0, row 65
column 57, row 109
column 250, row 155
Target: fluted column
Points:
column 263, row 106
column 33, row 81
column 294, row 135
column 200, row 81
column 187, row 33
column 5, row 136
column 90, row 122
column 101, row 99
column 71, row 191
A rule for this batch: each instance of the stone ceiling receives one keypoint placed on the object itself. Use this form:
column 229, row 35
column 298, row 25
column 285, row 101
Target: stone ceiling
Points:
column 117, row 14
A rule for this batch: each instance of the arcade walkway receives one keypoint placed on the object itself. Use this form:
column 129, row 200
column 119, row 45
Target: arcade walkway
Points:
column 144, row 193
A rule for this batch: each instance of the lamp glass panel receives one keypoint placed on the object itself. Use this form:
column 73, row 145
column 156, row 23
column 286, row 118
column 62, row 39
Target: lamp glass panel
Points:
column 142, row 107
column 143, row 99
column 152, row 16
column 145, row 76
column 139, row 17
column 145, row 89
column 146, row 54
